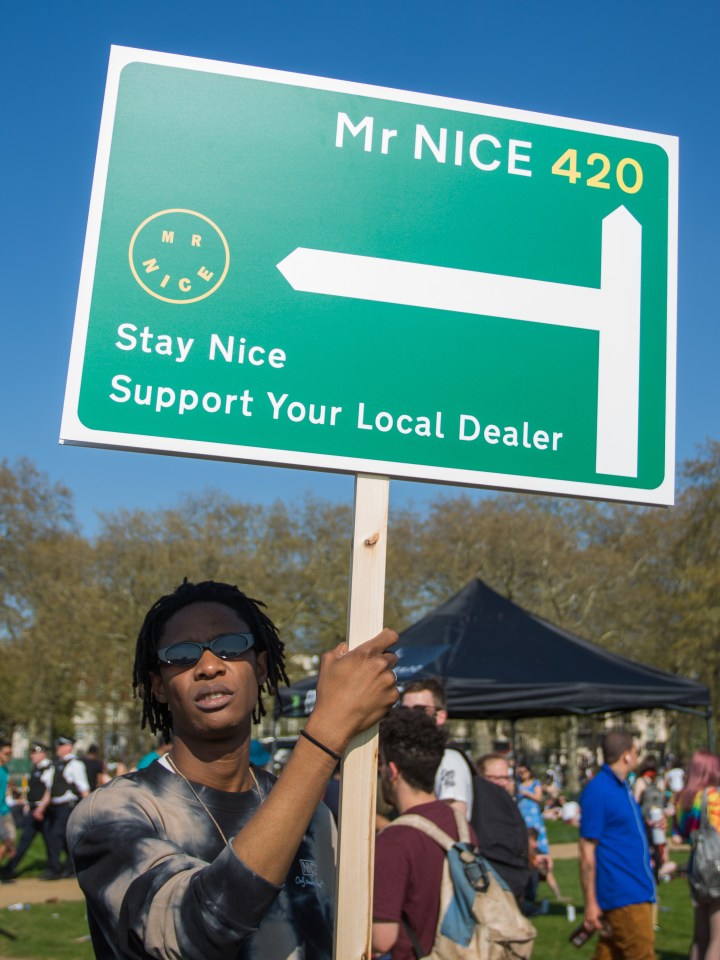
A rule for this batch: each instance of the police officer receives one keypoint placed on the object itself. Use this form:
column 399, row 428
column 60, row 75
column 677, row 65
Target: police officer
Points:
column 69, row 785
column 33, row 821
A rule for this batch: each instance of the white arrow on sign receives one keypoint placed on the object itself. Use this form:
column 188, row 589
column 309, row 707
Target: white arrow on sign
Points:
column 613, row 310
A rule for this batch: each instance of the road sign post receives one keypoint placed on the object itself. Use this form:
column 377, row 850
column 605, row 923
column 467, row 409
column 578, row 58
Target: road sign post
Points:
column 306, row 272
column 358, row 782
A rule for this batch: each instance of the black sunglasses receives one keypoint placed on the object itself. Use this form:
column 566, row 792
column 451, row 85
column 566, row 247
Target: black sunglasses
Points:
column 228, row 646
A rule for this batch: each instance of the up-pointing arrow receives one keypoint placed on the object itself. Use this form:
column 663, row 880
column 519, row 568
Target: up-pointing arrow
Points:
column 613, row 310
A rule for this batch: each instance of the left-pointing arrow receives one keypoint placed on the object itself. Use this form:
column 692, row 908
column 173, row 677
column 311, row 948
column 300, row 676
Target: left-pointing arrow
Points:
column 613, row 310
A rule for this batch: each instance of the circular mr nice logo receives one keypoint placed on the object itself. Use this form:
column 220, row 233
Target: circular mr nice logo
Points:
column 179, row 256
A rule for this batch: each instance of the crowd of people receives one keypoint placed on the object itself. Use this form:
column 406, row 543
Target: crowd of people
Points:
column 41, row 802
column 201, row 852
column 623, row 856
column 58, row 781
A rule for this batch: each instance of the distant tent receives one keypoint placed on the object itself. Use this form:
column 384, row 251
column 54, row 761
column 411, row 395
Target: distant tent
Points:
column 498, row 661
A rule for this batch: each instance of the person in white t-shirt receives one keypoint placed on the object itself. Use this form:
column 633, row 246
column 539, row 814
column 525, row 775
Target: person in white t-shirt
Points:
column 675, row 778
column 69, row 785
column 453, row 781
column 570, row 813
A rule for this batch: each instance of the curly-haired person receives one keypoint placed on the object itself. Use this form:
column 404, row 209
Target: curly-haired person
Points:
column 408, row 863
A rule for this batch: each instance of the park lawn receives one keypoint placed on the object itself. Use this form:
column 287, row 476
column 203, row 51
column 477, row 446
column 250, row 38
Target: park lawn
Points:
column 35, row 860
column 56, row 931
column 47, row 931
column 559, row 832
column 672, row 940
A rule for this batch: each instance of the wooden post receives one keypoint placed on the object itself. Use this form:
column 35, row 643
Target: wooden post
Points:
column 353, row 895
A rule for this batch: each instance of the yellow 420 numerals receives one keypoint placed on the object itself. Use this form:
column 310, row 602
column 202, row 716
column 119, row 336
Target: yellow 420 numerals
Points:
column 567, row 166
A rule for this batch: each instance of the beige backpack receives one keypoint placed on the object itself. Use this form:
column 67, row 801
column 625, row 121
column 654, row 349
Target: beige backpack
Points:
column 479, row 917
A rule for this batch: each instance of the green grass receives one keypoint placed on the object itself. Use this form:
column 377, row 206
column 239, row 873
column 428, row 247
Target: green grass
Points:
column 559, row 832
column 672, row 940
column 47, row 931
column 54, row 931
column 35, row 860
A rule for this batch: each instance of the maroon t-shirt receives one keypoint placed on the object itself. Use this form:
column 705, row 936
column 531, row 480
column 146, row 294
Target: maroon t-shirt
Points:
column 408, row 873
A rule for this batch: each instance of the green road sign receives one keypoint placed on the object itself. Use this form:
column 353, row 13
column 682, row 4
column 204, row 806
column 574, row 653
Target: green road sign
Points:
column 291, row 270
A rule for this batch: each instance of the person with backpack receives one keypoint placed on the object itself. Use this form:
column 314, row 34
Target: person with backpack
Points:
column 698, row 820
column 649, row 791
column 435, row 896
column 409, row 864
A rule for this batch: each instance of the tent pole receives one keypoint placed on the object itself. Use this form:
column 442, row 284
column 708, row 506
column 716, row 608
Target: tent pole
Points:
column 572, row 782
column 710, row 733
column 512, row 741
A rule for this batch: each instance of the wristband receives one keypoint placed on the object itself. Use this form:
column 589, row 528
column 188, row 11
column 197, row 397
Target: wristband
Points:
column 331, row 753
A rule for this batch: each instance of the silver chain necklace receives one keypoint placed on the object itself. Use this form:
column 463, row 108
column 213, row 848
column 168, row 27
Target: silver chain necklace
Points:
column 199, row 799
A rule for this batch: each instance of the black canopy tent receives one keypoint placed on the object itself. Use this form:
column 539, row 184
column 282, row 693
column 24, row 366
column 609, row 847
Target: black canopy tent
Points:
column 498, row 661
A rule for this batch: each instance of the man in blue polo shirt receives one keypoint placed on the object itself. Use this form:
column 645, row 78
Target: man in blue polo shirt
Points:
column 614, row 858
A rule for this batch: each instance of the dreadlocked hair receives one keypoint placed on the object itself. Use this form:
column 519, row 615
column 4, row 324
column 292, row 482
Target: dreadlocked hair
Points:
column 156, row 715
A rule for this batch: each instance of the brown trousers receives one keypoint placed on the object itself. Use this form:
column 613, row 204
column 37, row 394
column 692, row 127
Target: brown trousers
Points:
column 630, row 935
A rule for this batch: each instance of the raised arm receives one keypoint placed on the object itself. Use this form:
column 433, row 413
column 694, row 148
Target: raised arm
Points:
column 355, row 689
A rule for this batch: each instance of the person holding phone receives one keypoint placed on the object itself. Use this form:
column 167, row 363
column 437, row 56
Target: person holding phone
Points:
column 615, row 871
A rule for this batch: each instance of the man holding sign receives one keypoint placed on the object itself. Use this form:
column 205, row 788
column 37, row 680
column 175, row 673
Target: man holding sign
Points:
column 200, row 855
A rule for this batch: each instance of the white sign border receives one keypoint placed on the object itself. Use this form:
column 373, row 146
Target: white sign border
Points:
column 72, row 431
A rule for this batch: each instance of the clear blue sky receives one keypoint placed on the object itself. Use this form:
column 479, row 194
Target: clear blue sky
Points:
column 646, row 65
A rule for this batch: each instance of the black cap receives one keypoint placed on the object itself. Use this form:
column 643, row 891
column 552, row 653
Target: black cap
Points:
column 62, row 741
column 36, row 747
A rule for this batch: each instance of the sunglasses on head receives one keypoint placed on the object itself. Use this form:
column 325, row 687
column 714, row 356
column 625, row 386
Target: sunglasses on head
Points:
column 228, row 646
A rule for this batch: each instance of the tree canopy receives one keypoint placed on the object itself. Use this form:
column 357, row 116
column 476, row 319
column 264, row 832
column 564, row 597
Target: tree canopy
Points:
column 644, row 582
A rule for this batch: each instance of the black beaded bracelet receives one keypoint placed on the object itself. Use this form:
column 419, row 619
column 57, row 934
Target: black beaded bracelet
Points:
column 331, row 753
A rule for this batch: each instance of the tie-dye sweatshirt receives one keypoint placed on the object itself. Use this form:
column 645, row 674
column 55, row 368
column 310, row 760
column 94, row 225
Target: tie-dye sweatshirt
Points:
column 688, row 820
column 160, row 882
